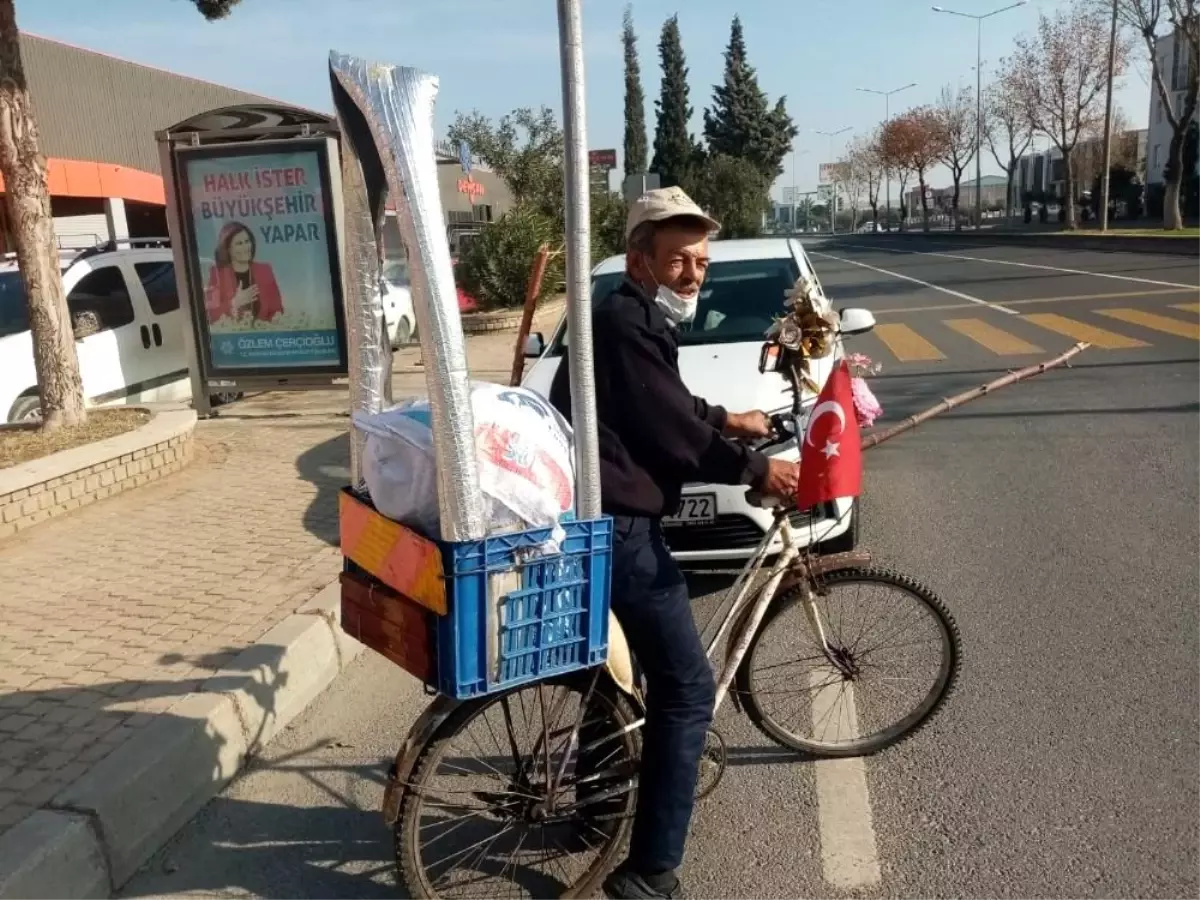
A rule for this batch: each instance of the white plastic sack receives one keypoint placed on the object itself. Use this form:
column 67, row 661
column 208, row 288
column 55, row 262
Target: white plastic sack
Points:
column 523, row 449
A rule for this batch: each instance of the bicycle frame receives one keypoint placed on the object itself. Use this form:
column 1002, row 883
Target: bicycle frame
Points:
column 741, row 620
column 744, row 621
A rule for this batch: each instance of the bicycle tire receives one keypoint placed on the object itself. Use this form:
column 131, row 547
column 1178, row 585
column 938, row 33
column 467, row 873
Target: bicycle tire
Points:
column 410, row 870
column 886, row 737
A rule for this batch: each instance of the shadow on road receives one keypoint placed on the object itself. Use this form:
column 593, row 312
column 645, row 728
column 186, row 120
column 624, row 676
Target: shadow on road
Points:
column 326, row 466
column 269, row 849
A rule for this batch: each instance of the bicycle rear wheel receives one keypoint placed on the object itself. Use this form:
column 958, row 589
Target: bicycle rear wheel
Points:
column 852, row 700
column 494, row 806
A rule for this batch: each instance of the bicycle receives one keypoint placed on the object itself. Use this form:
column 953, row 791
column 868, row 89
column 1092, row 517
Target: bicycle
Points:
column 544, row 794
column 585, row 813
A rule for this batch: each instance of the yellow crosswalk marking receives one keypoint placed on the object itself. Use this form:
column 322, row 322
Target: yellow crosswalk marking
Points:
column 995, row 339
column 1187, row 307
column 1155, row 321
column 1080, row 331
column 906, row 344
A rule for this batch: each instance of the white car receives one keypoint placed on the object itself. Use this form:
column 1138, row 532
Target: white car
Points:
column 398, row 314
column 718, row 358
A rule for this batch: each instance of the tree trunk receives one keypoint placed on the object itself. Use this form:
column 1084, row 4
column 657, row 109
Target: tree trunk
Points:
column 875, row 211
column 27, row 198
column 954, row 201
column 1069, row 192
column 1173, row 181
column 1011, row 172
column 924, row 202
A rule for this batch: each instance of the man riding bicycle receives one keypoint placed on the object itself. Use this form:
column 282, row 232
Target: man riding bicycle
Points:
column 654, row 437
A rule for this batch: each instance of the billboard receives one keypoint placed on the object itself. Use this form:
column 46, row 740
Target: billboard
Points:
column 262, row 250
column 602, row 159
column 828, row 173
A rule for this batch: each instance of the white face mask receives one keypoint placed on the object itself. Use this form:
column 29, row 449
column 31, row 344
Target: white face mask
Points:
column 677, row 308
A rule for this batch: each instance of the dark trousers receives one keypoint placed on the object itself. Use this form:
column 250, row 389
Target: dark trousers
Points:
column 650, row 600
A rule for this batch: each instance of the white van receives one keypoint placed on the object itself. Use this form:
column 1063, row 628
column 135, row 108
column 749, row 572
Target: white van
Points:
column 128, row 326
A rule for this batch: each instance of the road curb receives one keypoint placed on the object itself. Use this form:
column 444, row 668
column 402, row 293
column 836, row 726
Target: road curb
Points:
column 1167, row 246
column 95, row 834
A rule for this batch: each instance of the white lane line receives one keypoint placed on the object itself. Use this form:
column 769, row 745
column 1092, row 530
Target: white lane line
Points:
column 932, row 287
column 1024, row 265
column 849, row 858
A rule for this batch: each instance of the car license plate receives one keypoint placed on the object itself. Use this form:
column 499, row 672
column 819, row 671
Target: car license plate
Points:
column 694, row 509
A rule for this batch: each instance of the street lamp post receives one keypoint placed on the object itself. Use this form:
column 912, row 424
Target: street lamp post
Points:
column 833, row 215
column 979, row 96
column 887, row 173
column 1108, row 109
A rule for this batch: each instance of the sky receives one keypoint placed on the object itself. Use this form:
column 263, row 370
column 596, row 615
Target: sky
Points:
column 498, row 55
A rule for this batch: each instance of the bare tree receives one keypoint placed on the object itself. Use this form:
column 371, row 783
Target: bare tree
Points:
column 1148, row 18
column 867, row 166
column 955, row 117
column 848, row 179
column 1059, row 75
column 1007, row 128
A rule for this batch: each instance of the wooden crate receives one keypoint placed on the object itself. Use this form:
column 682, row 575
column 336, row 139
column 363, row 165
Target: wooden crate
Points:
column 390, row 624
column 399, row 557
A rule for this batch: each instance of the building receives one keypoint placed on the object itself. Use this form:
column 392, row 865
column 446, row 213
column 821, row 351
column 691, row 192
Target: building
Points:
column 1173, row 62
column 1042, row 172
column 97, row 116
column 941, row 200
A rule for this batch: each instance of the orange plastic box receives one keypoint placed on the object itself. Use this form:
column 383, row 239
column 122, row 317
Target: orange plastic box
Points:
column 399, row 557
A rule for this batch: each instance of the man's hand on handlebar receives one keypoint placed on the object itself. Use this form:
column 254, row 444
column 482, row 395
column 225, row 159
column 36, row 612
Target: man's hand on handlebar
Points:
column 781, row 480
column 753, row 424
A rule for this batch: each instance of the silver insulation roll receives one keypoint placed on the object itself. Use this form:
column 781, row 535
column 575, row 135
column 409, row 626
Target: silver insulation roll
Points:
column 397, row 105
column 579, row 264
column 369, row 356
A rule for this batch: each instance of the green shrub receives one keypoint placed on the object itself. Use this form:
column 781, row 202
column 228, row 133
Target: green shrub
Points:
column 496, row 265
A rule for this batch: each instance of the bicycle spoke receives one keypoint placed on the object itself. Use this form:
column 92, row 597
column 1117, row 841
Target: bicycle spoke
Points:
column 892, row 663
column 510, row 838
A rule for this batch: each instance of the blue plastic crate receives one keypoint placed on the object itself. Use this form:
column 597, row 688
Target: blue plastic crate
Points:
column 551, row 614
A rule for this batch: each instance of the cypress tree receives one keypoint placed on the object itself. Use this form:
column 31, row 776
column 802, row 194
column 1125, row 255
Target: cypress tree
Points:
column 674, row 147
column 635, row 101
column 742, row 123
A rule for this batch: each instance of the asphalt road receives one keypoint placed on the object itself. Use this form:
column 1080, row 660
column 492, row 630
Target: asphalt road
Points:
column 1059, row 521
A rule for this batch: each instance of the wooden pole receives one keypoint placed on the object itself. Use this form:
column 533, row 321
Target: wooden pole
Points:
column 877, row 438
column 532, row 291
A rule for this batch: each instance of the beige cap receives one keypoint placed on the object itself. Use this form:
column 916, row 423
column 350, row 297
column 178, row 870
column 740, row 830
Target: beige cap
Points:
column 665, row 203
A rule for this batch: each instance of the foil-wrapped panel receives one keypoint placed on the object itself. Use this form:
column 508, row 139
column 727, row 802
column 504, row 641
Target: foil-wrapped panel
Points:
column 397, row 106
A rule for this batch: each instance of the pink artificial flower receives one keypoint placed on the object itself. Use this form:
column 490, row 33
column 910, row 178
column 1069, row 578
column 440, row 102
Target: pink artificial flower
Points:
column 866, row 407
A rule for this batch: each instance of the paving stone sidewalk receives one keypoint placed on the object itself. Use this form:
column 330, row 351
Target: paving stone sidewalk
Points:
column 111, row 616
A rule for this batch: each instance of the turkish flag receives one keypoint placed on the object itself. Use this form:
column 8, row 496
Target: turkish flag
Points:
column 831, row 452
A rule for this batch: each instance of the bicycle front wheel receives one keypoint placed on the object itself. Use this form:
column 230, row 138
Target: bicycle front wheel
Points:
column 501, row 803
column 890, row 661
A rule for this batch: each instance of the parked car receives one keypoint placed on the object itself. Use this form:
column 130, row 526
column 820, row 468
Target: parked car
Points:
column 718, row 359
column 868, row 228
column 398, row 314
column 128, row 328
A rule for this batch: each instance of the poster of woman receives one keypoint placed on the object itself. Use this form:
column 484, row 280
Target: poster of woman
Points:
column 262, row 243
column 238, row 285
